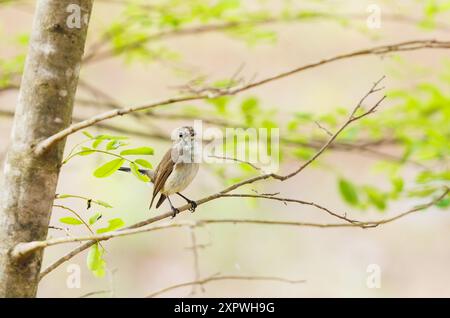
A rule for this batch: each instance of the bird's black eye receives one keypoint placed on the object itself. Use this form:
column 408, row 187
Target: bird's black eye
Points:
column 181, row 135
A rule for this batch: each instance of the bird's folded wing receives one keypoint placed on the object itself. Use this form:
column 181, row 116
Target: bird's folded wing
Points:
column 162, row 172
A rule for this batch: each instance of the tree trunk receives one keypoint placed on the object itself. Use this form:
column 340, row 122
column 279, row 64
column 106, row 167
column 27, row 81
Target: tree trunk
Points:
column 44, row 107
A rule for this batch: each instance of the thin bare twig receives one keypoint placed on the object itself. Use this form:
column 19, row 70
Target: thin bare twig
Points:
column 285, row 200
column 228, row 277
column 195, row 255
column 99, row 292
column 236, row 160
column 323, row 128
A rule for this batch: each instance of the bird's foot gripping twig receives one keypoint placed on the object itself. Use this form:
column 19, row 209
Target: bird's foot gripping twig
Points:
column 174, row 209
column 189, row 201
column 193, row 206
column 175, row 212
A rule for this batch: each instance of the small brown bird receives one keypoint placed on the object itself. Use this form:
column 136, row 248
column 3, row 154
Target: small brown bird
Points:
column 177, row 169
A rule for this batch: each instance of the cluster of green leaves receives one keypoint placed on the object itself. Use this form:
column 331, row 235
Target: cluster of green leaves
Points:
column 432, row 10
column 248, row 112
column 417, row 127
column 420, row 125
column 95, row 260
column 113, row 146
column 367, row 195
column 139, row 22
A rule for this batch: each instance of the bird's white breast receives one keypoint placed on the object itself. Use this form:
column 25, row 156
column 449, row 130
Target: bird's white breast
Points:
column 181, row 176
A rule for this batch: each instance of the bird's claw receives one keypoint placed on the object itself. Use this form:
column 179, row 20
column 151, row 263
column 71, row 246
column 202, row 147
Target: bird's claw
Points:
column 193, row 206
column 175, row 212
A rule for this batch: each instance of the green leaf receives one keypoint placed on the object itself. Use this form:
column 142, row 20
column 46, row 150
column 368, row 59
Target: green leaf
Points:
column 422, row 192
column 348, row 192
column 103, row 203
column 220, row 103
column 113, row 225
column 375, row 197
column 95, row 261
column 144, row 163
column 444, row 203
column 100, row 138
column 97, row 142
column 397, row 184
column 87, row 134
column 138, row 151
column 64, row 196
column 113, row 145
column 303, row 116
column 85, row 151
column 292, row 125
column 249, row 106
column 108, row 168
column 93, row 219
column 70, row 220
column 135, row 170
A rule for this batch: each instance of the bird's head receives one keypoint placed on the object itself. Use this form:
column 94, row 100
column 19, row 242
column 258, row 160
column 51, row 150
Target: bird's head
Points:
column 185, row 147
column 186, row 134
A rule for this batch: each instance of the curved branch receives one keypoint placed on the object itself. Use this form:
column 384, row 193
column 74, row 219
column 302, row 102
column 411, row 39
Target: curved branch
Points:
column 285, row 200
column 44, row 145
column 364, row 147
column 25, row 248
column 215, row 196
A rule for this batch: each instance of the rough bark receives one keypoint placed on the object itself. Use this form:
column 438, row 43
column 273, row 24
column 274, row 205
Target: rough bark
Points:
column 44, row 107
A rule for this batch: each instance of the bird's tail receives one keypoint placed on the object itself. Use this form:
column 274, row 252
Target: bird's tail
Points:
column 151, row 202
column 160, row 201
